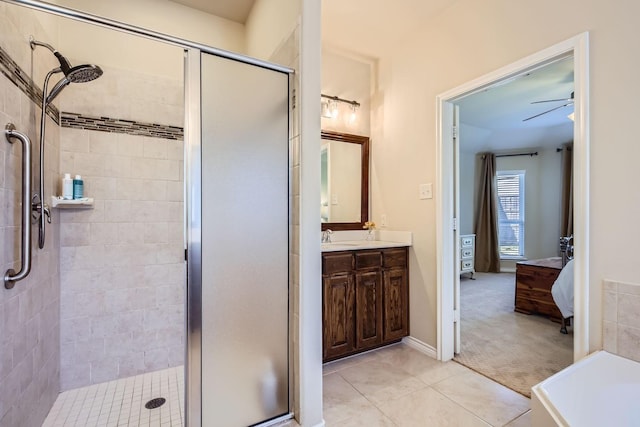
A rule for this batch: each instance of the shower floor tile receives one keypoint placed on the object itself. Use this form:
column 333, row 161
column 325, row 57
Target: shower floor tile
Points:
column 122, row 402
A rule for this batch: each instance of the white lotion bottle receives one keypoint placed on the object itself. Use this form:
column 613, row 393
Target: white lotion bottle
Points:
column 67, row 187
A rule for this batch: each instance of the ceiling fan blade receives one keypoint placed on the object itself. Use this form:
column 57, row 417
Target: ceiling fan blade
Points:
column 548, row 111
column 553, row 100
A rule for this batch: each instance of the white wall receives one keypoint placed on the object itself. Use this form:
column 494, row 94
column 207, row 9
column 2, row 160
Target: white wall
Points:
column 269, row 24
column 469, row 40
column 308, row 325
column 348, row 77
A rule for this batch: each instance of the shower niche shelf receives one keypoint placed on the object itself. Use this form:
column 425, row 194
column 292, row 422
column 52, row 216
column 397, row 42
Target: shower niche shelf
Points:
column 59, row 203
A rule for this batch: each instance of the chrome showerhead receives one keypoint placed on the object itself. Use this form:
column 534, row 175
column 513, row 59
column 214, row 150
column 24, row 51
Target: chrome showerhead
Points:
column 83, row 73
column 78, row 74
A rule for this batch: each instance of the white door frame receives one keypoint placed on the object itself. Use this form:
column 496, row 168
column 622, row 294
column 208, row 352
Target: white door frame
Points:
column 577, row 46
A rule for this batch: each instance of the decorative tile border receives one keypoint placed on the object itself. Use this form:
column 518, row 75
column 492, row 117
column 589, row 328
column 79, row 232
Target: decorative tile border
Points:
column 131, row 127
column 17, row 76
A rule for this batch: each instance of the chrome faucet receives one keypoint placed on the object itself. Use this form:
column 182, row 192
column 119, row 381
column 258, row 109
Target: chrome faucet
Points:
column 326, row 236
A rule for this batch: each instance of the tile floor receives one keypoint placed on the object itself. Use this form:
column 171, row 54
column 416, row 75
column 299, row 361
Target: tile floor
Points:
column 393, row 386
column 399, row 386
column 121, row 402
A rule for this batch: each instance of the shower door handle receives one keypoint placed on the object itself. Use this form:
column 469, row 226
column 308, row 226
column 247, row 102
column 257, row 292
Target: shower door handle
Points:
column 11, row 277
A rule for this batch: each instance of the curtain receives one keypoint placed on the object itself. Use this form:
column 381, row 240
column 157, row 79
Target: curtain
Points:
column 567, row 190
column 486, row 218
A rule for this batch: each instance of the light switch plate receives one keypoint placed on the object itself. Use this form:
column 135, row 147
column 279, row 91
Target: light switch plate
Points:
column 426, row 191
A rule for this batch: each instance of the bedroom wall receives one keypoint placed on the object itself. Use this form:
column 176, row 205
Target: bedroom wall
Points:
column 542, row 202
column 472, row 140
column 471, row 39
column 542, row 192
column 467, row 191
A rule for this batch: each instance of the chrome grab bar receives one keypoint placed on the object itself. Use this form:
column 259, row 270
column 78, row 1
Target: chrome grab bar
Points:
column 11, row 277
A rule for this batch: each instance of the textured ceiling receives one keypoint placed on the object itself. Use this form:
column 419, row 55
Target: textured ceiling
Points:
column 498, row 111
column 505, row 106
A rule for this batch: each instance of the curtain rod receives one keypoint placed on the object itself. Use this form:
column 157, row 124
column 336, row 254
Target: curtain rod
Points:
column 518, row 154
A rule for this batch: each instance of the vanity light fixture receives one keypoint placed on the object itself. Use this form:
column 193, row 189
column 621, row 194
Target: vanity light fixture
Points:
column 330, row 106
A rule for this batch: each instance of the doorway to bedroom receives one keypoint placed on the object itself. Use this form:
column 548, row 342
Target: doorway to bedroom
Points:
column 511, row 131
column 514, row 139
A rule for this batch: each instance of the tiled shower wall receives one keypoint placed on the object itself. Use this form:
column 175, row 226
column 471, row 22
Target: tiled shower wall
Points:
column 621, row 319
column 288, row 54
column 29, row 313
column 121, row 270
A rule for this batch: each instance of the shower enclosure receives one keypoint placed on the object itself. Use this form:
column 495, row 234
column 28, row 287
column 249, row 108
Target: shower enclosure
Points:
column 237, row 245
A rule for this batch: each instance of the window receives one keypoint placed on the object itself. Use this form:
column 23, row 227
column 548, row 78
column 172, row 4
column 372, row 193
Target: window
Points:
column 510, row 186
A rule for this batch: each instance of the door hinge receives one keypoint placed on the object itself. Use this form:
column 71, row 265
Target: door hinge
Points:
column 456, row 316
column 185, row 255
column 454, row 131
column 455, row 223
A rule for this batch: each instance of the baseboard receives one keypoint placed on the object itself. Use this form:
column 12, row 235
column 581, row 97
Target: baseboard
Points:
column 507, row 270
column 422, row 347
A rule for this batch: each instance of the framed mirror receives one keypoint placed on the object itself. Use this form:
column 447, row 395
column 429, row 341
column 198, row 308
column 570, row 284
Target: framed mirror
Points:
column 344, row 198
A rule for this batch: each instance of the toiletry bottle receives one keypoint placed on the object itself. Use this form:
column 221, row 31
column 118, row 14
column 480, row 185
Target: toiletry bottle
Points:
column 67, row 187
column 78, row 187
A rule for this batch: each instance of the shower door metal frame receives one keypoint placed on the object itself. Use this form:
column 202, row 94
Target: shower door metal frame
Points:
column 193, row 237
column 192, row 171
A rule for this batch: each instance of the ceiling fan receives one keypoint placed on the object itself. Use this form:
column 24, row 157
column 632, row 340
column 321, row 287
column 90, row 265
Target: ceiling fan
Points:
column 567, row 102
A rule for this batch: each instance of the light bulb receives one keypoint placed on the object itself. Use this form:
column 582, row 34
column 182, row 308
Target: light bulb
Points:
column 353, row 116
column 325, row 110
column 334, row 109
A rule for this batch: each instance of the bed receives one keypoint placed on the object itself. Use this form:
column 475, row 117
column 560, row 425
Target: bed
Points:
column 562, row 289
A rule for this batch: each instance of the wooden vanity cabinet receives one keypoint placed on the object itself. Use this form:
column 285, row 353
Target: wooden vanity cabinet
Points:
column 365, row 300
column 368, row 299
column 338, row 305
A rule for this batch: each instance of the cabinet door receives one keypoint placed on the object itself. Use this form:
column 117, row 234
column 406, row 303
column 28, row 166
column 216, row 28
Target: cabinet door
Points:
column 368, row 309
column 396, row 307
column 338, row 315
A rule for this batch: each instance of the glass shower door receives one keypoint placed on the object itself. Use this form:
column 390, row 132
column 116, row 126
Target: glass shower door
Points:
column 245, row 242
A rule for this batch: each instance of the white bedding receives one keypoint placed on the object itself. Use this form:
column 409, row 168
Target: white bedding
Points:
column 562, row 290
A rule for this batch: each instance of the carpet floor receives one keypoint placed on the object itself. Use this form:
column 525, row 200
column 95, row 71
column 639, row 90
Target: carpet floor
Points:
column 514, row 349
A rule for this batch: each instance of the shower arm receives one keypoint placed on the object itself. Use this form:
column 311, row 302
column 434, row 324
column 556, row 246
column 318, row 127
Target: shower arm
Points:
column 38, row 205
